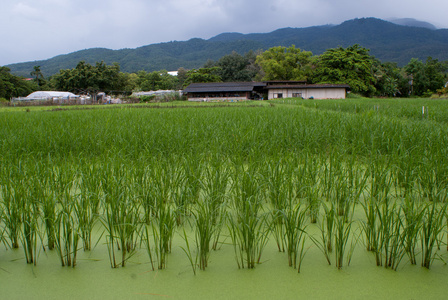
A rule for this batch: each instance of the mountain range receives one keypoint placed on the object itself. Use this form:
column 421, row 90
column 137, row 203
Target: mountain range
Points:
column 389, row 41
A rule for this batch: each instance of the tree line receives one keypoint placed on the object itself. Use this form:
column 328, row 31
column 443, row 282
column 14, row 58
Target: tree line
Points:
column 353, row 65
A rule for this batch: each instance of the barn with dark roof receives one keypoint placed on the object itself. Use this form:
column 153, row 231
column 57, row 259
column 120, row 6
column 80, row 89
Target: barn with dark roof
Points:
column 237, row 91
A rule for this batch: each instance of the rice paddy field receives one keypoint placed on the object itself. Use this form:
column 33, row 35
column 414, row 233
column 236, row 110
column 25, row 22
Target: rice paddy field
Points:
column 285, row 199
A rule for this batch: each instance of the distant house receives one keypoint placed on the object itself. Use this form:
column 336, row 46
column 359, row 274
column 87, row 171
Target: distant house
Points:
column 236, row 91
column 224, row 91
column 285, row 89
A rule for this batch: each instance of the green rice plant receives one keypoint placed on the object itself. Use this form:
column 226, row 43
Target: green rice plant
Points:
column 30, row 232
column 406, row 172
column 48, row 204
column 433, row 177
column 189, row 253
column 205, row 229
column 84, row 209
column 90, row 174
column 342, row 233
column 370, row 224
column 380, row 178
column 192, row 167
column 342, row 197
column 181, row 193
column 280, row 191
column 413, row 214
column 12, row 208
column 142, row 186
column 391, row 235
column 163, row 229
column 295, row 235
column 214, row 185
column 161, row 176
column 120, row 215
column 432, row 225
column 377, row 193
column 326, row 242
column 357, row 177
column 44, row 193
column 312, row 186
column 329, row 164
column 247, row 222
column 67, row 231
column 145, row 240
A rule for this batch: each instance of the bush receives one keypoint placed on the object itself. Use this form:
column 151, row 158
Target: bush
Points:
column 4, row 101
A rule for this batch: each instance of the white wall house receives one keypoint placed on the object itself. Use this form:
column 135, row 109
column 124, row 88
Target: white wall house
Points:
column 308, row 91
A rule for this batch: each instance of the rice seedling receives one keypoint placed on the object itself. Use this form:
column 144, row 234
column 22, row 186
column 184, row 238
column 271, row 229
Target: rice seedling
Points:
column 30, row 230
column 142, row 187
column 205, row 229
column 280, row 191
column 67, row 231
column 312, row 186
column 11, row 204
column 342, row 233
column 87, row 204
column 189, row 253
column 392, row 236
column 432, row 179
column 432, row 226
column 247, row 223
column 326, row 241
column 162, row 229
column 181, row 193
column 294, row 238
column 84, row 208
column 121, row 215
column 413, row 213
column 214, row 185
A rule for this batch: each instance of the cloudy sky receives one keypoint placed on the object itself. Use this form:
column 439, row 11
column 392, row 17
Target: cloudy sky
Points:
column 40, row 29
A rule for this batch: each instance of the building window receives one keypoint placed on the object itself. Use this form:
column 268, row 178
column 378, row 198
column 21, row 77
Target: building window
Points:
column 278, row 95
column 297, row 95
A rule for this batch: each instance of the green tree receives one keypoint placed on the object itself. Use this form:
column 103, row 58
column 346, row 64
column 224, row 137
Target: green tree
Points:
column 352, row 65
column 426, row 77
column 38, row 74
column 203, row 75
column 157, row 80
column 390, row 80
column 281, row 63
column 235, row 67
column 90, row 79
column 14, row 86
column 181, row 77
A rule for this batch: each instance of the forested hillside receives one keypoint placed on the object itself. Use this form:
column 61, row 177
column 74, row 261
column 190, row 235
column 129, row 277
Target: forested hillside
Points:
column 387, row 41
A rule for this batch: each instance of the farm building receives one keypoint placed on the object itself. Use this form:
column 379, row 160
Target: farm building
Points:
column 224, row 91
column 51, row 98
column 236, row 91
column 307, row 91
column 51, row 95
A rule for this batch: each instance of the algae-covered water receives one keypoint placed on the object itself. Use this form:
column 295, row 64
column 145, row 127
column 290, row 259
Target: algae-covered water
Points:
column 93, row 278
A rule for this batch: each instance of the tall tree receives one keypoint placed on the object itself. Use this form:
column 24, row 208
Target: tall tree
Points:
column 236, row 67
column 352, row 65
column 38, row 74
column 203, row 75
column 281, row 63
column 426, row 78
